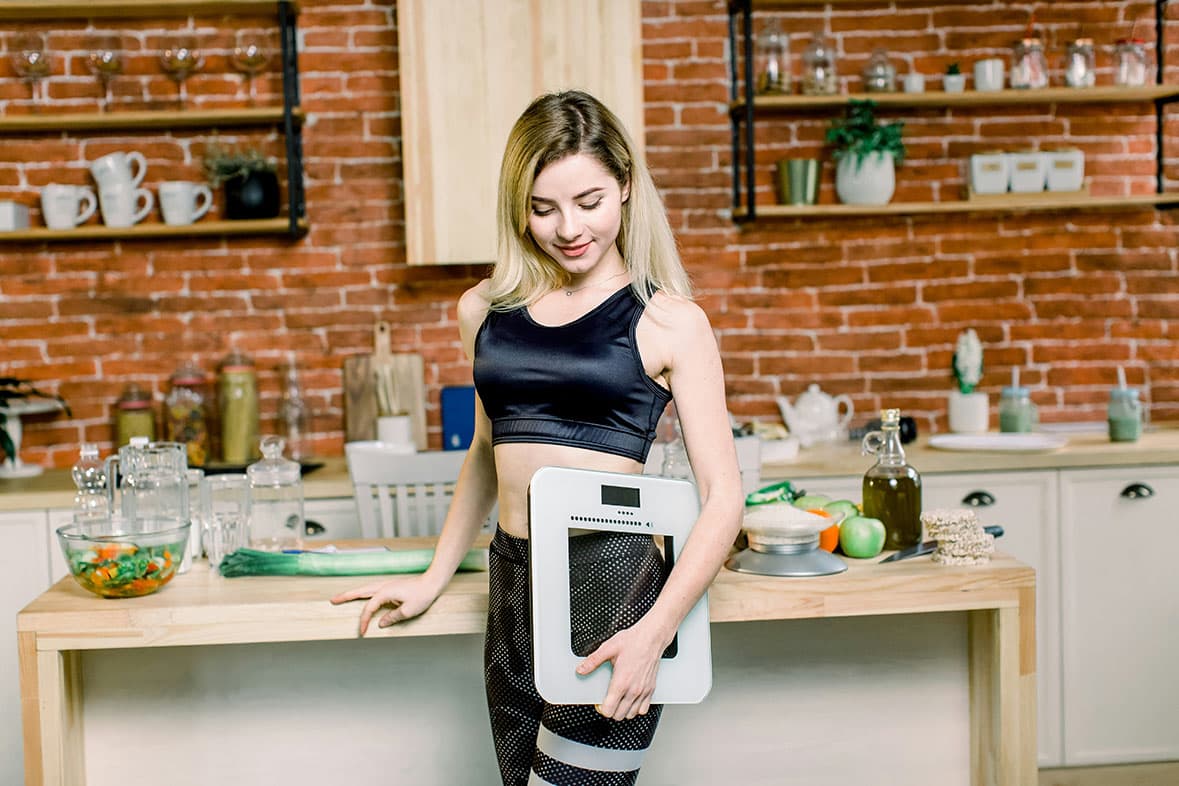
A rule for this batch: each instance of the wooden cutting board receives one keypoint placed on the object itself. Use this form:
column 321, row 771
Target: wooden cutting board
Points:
column 360, row 389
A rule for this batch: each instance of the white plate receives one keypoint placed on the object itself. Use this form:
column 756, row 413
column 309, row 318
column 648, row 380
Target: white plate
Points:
column 998, row 442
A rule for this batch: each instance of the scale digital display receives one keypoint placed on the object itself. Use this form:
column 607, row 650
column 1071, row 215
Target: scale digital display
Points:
column 621, row 495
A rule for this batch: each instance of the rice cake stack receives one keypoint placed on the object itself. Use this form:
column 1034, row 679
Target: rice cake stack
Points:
column 960, row 537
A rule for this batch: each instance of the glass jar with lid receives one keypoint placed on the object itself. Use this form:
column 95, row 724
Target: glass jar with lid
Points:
column 186, row 415
column 880, row 75
column 1130, row 62
column 773, row 60
column 276, row 499
column 1080, row 65
column 1017, row 412
column 1125, row 415
column 135, row 416
column 1029, row 66
column 818, row 68
column 237, row 398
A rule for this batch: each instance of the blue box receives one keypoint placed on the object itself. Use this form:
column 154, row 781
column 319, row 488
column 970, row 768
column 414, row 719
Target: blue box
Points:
column 458, row 417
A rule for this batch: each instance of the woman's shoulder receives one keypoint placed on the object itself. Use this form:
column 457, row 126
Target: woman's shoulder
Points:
column 677, row 313
column 475, row 302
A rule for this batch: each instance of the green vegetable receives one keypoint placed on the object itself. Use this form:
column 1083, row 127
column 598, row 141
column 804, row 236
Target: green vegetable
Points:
column 782, row 491
column 251, row 562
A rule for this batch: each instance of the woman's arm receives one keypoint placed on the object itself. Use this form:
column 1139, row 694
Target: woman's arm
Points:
column 683, row 337
column 474, row 497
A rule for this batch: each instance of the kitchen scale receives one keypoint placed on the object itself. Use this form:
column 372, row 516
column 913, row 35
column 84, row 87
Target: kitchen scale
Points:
column 567, row 503
column 784, row 541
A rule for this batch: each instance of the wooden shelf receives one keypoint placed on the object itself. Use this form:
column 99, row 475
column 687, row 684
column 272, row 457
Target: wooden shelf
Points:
column 769, row 5
column 269, row 226
column 82, row 9
column 1011, row 203
column 971, row 98
column 147, row 119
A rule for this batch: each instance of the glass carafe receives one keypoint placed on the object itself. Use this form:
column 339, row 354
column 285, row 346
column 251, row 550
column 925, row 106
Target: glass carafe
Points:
column 153, row 480
column 892, row 488
column 276, row 499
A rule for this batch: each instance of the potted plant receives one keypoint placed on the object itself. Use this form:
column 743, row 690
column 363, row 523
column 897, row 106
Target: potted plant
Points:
column 954, row 81
column 13, row 392
column 249, row 180
column 867, row 154
column 969, row 408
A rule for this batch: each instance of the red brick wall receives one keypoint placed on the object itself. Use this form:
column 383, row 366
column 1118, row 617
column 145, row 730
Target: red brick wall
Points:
column 870, row 307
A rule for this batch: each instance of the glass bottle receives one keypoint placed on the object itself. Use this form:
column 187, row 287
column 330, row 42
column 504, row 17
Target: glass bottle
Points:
column 237, row 398
column 89, row 473
column 1029, row 67
column 134, row 415
column 1017, row 413
column 892, row 488
column 880, row 75
column 186, row 416
column 818, row 68
column 1080, row 65
column 1130, row 62
column 675, row 455
column 293, row 411
column 773, row 60
column 1125, row 415
column 276, row 499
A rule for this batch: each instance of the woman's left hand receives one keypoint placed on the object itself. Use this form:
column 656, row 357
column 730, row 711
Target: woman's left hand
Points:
column 634, row 654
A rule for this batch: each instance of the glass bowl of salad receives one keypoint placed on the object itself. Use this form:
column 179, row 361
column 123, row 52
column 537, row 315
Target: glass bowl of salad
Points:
column 114, row 557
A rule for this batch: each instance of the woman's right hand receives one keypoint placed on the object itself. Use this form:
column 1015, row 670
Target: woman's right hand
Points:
column 408, row 596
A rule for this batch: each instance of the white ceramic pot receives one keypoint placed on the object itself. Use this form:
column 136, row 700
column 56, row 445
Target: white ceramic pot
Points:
column 969, row 413
column 869, row 181
column 954, row 83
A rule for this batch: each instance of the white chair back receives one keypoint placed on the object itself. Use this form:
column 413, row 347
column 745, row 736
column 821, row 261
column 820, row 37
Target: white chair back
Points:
column 401, row 494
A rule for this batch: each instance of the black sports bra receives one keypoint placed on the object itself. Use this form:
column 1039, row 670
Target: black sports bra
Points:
column 581, row 384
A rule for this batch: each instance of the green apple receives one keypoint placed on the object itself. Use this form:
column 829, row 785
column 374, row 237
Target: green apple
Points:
column 861, row 537
column 842, row 508
column 811, row 501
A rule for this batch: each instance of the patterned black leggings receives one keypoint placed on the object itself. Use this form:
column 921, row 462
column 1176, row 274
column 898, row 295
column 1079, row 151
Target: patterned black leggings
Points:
column 541, row 744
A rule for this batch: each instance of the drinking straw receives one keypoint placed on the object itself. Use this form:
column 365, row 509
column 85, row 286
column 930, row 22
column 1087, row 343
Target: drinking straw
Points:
column 1121, row 378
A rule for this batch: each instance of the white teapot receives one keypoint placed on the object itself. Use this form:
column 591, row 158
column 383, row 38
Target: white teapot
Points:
column 814, row 417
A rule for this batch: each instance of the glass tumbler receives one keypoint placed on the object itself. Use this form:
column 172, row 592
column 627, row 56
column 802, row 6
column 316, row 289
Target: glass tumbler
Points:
column 228, row 519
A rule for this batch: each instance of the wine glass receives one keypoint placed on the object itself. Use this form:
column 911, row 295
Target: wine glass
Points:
column 251, row 53
column 29, row 59
column 180, row 57
column 105, row 61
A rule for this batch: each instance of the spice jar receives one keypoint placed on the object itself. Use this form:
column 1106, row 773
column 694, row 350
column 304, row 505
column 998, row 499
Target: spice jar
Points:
column 134, row 415
column 1017, row 413
column 1125, row 415
column 237, row 398
column 818, row 68
column 186, row 416
column 880, row 75
column 773, row 54
column 1029, row 67
column 1130, row 62
column 1080, row 66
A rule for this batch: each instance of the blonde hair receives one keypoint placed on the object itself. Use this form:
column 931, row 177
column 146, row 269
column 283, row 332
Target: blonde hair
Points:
column 554, row 126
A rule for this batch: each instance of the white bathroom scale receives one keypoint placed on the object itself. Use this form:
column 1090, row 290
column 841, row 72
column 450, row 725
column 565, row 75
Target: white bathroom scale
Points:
column 566, row 504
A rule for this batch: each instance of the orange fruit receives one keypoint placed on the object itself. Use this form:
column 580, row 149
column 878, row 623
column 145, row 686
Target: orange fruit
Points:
column 828, row 538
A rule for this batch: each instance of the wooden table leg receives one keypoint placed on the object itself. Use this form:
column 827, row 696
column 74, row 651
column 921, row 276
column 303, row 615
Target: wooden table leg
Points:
column 51, row 711
column 1002, row 713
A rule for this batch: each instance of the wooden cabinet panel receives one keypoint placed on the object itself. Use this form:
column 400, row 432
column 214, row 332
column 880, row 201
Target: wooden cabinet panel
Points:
column 1120, row 614
column 468, row 69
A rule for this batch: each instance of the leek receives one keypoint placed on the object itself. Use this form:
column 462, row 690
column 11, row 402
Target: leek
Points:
column 251, row 562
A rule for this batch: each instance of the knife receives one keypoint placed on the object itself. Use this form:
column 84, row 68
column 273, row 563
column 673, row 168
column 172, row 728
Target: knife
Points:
column 928, row 546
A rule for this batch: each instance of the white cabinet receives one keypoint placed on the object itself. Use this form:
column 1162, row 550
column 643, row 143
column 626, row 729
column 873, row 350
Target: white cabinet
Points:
column 1025, row 505
column 1120, row 602
column 24, row 574
column 337, row 515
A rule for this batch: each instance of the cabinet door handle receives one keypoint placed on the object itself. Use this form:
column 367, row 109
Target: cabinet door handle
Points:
column 314, row 527
column 978, row 499
column 1137, row 491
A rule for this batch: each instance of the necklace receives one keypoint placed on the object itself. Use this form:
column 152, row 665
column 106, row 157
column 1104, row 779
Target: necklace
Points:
column 569, row 292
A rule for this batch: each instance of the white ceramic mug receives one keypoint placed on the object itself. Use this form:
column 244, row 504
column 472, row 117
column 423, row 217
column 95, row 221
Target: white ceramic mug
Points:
column 124, row 206
column 119, row 169
column 183, row 203
column 914, row 82
column 64, row 206
column 988, row 74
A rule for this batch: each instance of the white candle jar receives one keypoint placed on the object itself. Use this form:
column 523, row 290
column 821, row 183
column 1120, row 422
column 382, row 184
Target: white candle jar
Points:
column 988, row 173
column 1065, row 169
column 1028, row 172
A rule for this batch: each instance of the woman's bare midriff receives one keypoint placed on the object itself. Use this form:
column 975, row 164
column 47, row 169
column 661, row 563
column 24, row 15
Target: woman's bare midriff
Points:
column 516, row 462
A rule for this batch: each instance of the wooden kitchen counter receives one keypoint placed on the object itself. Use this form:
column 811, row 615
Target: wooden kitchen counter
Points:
column 205, row 609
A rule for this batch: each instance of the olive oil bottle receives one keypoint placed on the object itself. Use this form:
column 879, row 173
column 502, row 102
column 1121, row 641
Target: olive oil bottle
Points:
column 892, row 488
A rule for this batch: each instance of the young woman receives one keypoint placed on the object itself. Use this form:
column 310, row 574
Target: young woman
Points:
column 582, row 334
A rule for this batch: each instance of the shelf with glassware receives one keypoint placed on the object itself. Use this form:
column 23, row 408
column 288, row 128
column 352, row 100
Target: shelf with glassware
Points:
column 289, row 117
column 770, row 99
